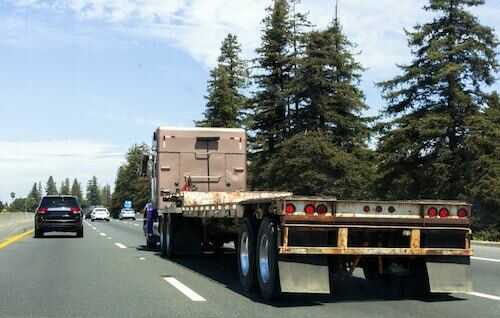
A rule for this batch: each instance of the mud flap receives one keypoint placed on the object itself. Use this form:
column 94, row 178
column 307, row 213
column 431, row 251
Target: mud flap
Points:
column 449, row 274
column 304, row 274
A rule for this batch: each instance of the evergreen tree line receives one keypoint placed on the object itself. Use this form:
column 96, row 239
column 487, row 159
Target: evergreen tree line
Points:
column 95, row 195
column 437, row 136
column 129, row 185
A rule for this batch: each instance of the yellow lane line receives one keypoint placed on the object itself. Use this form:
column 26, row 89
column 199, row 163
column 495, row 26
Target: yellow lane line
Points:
column 14, row 238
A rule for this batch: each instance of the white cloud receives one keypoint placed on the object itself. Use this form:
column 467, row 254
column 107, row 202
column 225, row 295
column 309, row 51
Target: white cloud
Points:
column 23, row 163
column 198, row 26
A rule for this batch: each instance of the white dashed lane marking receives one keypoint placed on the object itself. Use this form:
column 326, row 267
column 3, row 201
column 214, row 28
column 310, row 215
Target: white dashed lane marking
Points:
column 485, row 259
column 483, row 295
column 102, row 234
column 120, row 245
column 188, row 292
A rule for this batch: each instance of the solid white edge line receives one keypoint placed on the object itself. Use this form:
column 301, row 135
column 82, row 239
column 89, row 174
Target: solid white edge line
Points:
column 483, row 295
column 188, row 292
column 485, row 259
column 120, row 245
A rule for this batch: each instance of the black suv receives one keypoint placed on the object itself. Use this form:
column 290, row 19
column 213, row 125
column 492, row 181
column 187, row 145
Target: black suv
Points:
column 58, row 213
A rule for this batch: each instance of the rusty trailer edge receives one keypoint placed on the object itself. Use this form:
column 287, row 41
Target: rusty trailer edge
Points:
column 379, row 251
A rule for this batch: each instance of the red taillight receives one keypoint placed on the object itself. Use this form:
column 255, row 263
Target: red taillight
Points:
column 290, row 208
column 462, row 213
column 75, row 210
column 432, row 212
column 444, row 213
column 321, row 209
column 309, row 209
column 42, row 210
column 366, row 209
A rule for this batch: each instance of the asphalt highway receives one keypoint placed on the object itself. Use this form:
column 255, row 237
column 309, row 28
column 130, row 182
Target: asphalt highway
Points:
column 110, row 273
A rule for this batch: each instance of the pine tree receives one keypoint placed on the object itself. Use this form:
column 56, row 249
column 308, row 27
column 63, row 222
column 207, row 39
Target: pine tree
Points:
column 300, row 26
column 51, row 188
column 484, row 144
column 93, row 193
column 2, row 206
column 34, row 198
column 76, row 189
column 65, row 187
column 273, row 80
column 329, row 81
column 318, row 167
column 225, row 101
column 106, row 196
column 130, row 186
column 454, row 58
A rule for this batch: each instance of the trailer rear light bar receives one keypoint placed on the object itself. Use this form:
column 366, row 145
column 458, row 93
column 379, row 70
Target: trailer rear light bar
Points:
column 342, row 247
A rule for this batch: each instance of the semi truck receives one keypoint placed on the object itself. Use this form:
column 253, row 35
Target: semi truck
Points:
column 291, row 243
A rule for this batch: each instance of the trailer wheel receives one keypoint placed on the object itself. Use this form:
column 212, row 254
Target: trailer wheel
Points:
column 168, row 235
column 246, row 248
column 267, row 259
column 163, row 237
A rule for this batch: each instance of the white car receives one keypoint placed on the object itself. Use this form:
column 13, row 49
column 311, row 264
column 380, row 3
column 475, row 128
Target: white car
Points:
column 99, row 214
column 127, row 214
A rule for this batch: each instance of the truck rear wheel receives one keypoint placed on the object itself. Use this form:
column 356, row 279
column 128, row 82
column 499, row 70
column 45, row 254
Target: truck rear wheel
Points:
column 246, row 248
column 168, row 235
column 267, row 259
column 38, row 233
column 163, row 237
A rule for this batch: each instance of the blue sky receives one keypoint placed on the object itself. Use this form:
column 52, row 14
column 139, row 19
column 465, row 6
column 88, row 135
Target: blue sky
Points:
column 82, row 80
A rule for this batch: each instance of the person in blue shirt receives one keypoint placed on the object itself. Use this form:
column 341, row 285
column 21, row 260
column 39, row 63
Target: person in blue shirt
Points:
column 150, row 215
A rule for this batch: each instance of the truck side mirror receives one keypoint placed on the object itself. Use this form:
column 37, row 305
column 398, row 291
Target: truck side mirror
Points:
column 144, row 166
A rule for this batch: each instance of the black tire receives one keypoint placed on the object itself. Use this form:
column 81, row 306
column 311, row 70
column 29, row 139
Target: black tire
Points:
column 247, row 234
column 370, row 270
column 218, row 246
column 92, row 220
column 267, row 259
column 150, row 243
column 133, row 219
column 79, row 233
column 38, row 233
column 163, row 237
column 169, row 235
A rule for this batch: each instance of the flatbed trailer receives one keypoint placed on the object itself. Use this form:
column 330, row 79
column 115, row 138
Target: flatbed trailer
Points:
column 290, row 243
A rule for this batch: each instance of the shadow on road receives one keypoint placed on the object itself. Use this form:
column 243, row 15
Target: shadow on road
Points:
column 222, row 269
column 144, row 248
